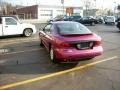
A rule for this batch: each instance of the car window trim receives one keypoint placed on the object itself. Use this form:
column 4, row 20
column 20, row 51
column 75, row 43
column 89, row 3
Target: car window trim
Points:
column 45, row 31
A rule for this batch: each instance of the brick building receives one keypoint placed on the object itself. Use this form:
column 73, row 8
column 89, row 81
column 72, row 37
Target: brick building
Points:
column 45, row 11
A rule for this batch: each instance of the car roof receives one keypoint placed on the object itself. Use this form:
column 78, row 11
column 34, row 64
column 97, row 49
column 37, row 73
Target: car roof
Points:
column 14, row 16
column 110, row 16
column 59, row 22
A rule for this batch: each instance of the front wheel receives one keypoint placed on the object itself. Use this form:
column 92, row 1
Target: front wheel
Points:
column 41, row 43
column 27, row 32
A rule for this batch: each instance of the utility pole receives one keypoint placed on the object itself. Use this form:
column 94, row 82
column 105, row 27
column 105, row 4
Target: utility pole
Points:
column 114, row 6
column 102, row 7
column 95, row 7
column 95, row 4
column 86, row 7
column 36, row 2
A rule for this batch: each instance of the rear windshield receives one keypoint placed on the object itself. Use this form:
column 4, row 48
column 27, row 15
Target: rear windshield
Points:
column 112, row 18
column 75, row 17
column 72, row 28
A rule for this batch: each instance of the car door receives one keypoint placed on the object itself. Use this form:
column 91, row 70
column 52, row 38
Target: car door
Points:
column 47, row 35
column 83, row 20
column 11, row 26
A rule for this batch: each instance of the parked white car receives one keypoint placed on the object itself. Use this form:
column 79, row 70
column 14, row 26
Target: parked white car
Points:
column 110, row 20
column 10, row 25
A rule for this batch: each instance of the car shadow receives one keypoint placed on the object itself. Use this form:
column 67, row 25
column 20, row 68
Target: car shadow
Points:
column 30, row 58
column 15, row 37
column 11, row 36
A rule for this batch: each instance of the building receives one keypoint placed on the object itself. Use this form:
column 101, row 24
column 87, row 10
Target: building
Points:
column 0, row 10
column 90, row 12
column 45, row 12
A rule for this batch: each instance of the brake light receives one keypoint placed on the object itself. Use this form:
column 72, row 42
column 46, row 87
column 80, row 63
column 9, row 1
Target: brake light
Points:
column 97, row 43
column 64, row 44
column 61, row 43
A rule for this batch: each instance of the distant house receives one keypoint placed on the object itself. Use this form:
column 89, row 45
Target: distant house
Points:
column 45, row 11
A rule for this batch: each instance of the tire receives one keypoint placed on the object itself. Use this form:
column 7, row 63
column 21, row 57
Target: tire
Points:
column 101, row 22
column 41, row 44
column 113, row 23
column 119, row 28
column 52, row 55
column 90, row 58
column 92, row 23
column 27, row 32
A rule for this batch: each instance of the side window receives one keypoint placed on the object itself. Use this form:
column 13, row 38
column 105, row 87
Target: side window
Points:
column 85, row 18
column 47, row 28
column 10, row 21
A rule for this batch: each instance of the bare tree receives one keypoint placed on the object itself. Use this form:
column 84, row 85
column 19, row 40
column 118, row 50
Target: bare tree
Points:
column 87, row 5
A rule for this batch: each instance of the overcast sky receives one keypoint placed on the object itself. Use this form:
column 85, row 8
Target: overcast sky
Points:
column 99, row 3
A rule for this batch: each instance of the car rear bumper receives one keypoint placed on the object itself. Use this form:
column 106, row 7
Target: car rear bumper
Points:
column 74, row 54
column 110, row 22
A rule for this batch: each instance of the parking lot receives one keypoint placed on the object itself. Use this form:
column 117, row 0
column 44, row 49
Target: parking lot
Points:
column 24, row 65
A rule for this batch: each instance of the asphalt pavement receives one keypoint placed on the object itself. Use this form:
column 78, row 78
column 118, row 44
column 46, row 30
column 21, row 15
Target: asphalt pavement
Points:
column 25, row 65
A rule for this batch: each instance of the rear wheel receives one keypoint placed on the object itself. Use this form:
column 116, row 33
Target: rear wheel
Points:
column 90, row 58
column 113, row 23
column 27, row 32
column 119, row 28
column 92, row 23
column 52, row 55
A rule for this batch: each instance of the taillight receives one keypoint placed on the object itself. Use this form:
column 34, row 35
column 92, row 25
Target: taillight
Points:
column 60, row 43
column 97, row 43
column 64, row 44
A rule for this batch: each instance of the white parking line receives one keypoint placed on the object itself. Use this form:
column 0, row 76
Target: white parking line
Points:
column 21, row 51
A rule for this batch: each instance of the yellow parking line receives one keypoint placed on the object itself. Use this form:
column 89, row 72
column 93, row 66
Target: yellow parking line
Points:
column 21, row 51
column 54, row 74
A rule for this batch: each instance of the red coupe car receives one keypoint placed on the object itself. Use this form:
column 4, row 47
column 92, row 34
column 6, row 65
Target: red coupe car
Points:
column 70, row 41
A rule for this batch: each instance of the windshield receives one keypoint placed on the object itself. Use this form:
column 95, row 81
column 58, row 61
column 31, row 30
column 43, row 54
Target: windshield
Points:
column 72, row 28
column 75, row 17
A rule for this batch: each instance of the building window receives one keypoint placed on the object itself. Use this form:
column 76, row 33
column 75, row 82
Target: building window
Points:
column 46, row 14
column 46, row 10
